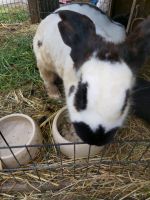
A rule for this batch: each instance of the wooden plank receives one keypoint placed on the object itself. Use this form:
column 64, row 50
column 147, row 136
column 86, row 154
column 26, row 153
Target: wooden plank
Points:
column 34, row 11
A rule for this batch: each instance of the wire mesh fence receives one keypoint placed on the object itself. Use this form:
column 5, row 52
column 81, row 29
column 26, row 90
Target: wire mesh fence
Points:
column 119, row 158
column 138, row 153
column 12, row 11
column 16, row 11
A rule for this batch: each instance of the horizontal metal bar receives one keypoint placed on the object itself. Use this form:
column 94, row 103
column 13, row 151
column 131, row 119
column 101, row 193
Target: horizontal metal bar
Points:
column 77, row 143
column 80, row 164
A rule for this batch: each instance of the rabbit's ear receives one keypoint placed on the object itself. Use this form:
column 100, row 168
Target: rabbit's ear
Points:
column 136, row 49
column 78, row 32
column 75, row 27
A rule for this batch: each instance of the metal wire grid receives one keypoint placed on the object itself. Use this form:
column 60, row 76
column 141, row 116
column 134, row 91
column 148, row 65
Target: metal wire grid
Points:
column 12, row 11
column 46, row 7
column 119, row 158
column 16, row 11
column 50, row 158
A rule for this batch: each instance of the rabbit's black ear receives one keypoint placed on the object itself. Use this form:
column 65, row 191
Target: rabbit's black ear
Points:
column 77, row 31
column 75, row 27
column 136, row 49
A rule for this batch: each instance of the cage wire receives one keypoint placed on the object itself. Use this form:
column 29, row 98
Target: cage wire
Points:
column 124, row 160
column 17, row 11
column 13, row 11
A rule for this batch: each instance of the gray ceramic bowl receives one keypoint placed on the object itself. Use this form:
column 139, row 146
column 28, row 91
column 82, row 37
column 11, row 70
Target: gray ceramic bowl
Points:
column 19, row 129
column 81, row 150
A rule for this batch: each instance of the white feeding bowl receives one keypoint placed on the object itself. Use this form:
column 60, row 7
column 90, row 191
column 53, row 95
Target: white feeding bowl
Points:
column 70, row 150
column 18, row 129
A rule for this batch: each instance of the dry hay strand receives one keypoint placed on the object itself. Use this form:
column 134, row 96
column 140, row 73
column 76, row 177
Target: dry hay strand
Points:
column 29, row 101
column 16, row 29
column 105, row 185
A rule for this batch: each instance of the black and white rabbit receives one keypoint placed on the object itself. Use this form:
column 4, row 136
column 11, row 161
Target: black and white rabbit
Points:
column 97, row 64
